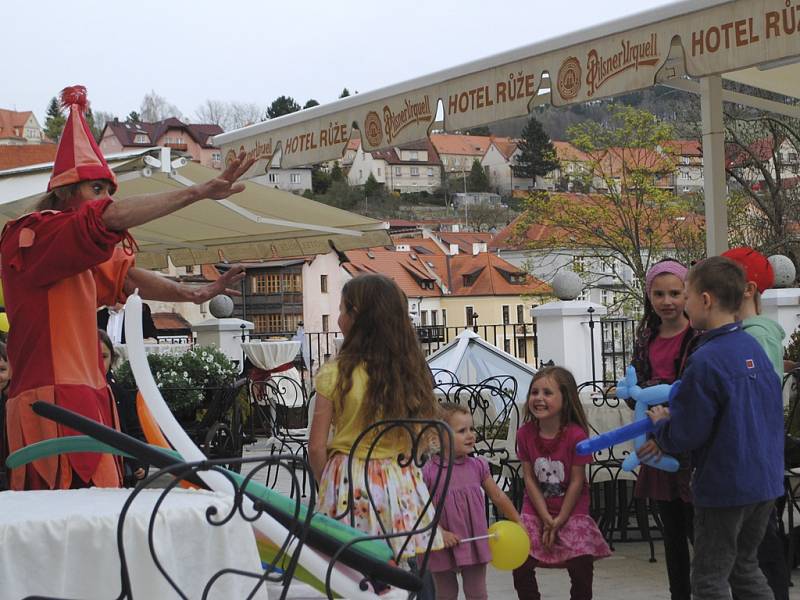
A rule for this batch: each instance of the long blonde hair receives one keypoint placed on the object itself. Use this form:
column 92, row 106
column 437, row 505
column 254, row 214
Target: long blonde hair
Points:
column 384, row 341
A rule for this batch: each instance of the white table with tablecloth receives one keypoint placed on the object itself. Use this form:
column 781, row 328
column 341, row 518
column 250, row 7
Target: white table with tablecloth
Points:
column 63, row 543
column 276, row 358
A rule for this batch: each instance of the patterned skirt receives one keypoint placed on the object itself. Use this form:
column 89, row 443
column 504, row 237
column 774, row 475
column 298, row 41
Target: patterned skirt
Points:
column 579, row 536
column 399, row 496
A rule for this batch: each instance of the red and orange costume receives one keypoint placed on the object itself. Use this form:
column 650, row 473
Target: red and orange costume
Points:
column 57, row 269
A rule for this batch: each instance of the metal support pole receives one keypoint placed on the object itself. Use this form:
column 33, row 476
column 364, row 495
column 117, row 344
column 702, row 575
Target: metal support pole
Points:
column 714, row 165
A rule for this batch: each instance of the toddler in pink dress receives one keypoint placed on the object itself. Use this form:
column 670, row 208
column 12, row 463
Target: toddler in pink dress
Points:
column 464, row 511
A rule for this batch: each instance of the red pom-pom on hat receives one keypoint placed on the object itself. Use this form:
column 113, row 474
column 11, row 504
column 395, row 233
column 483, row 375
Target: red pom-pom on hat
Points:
column 75, row 94
column 756, row 266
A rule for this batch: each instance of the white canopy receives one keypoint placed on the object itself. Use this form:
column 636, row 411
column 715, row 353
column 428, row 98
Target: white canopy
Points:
column 259, row 223
column 690, row 45
column 472, row 359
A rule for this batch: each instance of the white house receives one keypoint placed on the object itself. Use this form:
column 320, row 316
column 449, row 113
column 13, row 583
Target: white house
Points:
column 289, row 180
column 498, row 162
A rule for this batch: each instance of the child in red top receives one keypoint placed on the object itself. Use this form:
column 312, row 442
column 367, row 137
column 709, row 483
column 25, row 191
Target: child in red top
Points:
column 556, row 507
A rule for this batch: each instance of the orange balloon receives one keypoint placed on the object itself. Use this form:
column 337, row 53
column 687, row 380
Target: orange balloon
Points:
column 152, row 432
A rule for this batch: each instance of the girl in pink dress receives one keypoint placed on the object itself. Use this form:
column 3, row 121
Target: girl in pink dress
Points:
column 464, row 511
column 555, row 510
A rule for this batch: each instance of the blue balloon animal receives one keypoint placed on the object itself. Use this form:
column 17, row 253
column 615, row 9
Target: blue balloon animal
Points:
column 645, row 398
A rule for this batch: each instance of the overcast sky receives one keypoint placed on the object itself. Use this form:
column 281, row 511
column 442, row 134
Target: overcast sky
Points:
column 256, row 50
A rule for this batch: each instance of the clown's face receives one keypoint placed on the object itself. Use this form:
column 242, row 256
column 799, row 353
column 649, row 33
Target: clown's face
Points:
column 95, row 189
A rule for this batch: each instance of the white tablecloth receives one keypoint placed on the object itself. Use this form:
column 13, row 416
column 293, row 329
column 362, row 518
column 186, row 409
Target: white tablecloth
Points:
column 267, row 355
column 63, row 543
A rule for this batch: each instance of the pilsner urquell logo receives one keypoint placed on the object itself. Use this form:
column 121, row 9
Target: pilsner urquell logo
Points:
column 600, row 69
column 412, row 112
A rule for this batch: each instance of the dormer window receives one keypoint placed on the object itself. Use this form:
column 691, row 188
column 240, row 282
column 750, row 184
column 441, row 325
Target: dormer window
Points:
column 141, row 139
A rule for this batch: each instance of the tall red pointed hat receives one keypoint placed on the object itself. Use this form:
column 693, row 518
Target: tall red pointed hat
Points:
column 78, row 158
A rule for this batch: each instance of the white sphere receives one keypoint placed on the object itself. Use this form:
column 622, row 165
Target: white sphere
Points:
column 567, row 285
column 785, row 272
column 221, row 306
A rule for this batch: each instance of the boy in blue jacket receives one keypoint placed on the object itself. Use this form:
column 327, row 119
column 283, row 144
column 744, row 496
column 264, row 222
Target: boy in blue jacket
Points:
column 728, row 413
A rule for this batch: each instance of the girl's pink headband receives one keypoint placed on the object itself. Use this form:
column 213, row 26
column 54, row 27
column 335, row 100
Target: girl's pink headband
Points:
column 667, row 266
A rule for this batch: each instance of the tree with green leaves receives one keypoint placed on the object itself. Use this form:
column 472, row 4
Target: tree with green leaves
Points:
column 133, row 118
column 478, row 180
column 337, row 175
column 537, row 156
column 282, row 105
column 320, row 180
column 631, row 220
column 311, row 103
column 345, row 93
column 55, row 120
column 371, row 187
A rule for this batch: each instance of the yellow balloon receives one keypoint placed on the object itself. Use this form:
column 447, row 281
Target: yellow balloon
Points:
column 4, row 326
column 510, row 545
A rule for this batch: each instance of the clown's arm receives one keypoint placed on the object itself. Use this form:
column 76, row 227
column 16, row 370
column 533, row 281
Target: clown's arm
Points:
column 137, row 210
column 153, row 286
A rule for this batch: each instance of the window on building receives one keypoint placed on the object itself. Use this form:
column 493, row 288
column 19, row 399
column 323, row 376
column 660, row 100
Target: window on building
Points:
column 430, row 171
column 323, row 284
column 141, row 139
column 273, row 283
column 434, row 317
column 607, row 297
column 520, row 313
column 469, row 313
column 579, row 264
column 507, row 346
column 584, row 295
column 398, row 171
column 444, row 317
column 379, row 171
column 522, row 349
column 423, row 317
column 506, row 317
column 414, row 156
column 259, row 284
column 294, row 177
column 415, row 171
column 272, row 177
column 216, row 156
column 189, row 269
column 292, row 282
column 292, row 322
column 275, row 323
column 259, row 323
column 360, row 174
column 325, row 323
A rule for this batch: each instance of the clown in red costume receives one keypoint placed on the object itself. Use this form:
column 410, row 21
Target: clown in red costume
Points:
column 61, row 263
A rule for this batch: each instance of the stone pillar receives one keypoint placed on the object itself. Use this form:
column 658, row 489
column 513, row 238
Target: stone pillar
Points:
column 225, row 334
column 564, row 336
column 783, row 306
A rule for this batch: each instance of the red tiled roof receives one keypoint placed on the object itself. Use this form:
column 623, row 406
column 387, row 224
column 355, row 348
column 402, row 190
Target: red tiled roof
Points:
column 489, row 270
column 464, row 239
column 12, row 123
column 126, row 132
column 567, row 152
column 469, row 145
column 165, row 321
column 410, row 269
column 391, row 156
column 22, row 155
column 400, row 266
column 685, row 147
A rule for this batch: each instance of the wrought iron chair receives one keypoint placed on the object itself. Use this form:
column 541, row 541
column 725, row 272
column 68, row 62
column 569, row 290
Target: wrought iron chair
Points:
column 427, row 440
column 282, row 406
column 495, row 415
column 443, row 382
column 612, row 504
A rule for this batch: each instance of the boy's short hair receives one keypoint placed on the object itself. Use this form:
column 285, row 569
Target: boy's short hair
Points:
column 720, row 277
